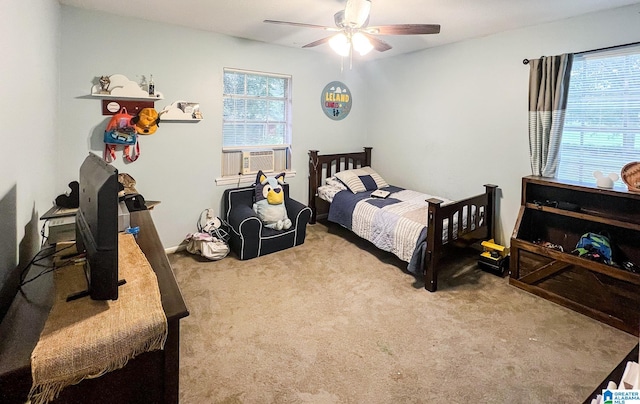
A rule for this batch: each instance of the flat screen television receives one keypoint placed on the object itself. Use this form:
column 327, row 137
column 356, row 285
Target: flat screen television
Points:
column 97, row 227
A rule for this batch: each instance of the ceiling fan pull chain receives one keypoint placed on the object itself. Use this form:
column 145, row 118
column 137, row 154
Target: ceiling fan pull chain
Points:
column 351, row 57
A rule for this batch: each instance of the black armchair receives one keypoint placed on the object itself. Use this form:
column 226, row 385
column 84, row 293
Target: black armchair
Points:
column 248, row 238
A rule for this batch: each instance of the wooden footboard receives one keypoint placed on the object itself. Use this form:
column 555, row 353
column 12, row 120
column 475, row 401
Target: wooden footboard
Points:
column 477, row 224
column 472, row 227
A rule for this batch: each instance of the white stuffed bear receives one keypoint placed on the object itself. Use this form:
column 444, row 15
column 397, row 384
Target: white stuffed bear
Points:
column 269, row 204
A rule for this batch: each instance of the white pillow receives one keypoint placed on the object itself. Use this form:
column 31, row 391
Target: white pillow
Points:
column 335, row 183
column 361, row 179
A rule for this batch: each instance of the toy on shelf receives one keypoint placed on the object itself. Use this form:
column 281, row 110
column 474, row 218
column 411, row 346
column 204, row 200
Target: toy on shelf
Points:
column 182, row 111
column 605, row 181
column 105, row 81
column 119, row 86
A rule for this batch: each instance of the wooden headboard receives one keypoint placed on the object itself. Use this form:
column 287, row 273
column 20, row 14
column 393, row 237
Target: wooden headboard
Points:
column 324, row 166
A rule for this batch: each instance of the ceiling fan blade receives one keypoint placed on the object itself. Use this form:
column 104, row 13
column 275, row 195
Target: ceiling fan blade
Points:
column 300, row 24
column 404, row 29
column 378, row 44
column 318, row 42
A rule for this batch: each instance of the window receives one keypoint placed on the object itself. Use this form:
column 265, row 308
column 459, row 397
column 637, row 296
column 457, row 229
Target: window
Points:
column 256, row 117
column 602, row 123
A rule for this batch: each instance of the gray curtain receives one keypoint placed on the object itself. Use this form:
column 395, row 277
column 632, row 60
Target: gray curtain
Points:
column 548, row 88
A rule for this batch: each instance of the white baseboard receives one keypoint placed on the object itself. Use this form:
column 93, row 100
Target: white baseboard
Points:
column 175, row 249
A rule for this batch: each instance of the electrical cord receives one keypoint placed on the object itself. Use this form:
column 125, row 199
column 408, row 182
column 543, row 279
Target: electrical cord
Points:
column 33, row 260
column 49, row 269
column 74, row 261
column 44, row 238
column 36, row 259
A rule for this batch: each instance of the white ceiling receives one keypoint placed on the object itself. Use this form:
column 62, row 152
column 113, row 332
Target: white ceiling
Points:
column 459, row 19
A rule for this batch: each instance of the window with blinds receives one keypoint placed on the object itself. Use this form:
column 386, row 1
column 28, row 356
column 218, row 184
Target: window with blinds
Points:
column 602, row 123
column 256, row 116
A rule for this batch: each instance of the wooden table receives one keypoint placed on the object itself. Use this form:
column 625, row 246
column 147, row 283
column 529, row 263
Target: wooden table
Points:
column 151, row 377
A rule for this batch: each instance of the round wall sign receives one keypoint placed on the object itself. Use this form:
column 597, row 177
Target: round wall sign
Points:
column 336, row 100
column 113, row 107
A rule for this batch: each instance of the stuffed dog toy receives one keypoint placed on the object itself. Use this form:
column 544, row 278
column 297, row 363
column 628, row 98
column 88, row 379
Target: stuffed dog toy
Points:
column 269, row 202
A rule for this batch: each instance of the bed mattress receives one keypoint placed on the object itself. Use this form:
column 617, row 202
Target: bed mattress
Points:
column 397, row 224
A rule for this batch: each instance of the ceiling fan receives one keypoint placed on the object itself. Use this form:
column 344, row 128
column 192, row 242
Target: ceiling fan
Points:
column 354, row 32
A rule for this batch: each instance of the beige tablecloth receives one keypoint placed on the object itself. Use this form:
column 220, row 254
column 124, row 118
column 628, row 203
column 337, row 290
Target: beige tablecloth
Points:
column 87, row 338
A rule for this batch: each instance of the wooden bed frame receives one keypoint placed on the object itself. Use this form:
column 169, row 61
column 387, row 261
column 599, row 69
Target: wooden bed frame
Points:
column 483, row 224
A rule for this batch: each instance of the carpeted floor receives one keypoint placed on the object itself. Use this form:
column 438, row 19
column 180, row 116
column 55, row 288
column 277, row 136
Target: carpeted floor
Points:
column 337, row 321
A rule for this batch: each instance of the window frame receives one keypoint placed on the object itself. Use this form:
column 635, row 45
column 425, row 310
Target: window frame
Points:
column 596, row 141
column 229, row 177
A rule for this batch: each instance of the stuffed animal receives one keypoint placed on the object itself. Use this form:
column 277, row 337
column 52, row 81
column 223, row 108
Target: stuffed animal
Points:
column 104, row 84
column 71, row 200
column 269, row 203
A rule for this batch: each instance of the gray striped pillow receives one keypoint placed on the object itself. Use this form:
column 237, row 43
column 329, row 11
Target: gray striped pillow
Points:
column 361, row 179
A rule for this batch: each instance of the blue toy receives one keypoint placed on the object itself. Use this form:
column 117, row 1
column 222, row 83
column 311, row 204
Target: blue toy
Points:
column 269, row 202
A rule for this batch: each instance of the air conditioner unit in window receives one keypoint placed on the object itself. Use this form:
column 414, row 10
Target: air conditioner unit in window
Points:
column 256, row 160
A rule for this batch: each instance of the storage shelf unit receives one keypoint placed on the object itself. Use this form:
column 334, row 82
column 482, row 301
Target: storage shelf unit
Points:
column 560, row 213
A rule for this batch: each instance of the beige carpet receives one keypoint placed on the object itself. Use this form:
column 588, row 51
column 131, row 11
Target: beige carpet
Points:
column 337, row 321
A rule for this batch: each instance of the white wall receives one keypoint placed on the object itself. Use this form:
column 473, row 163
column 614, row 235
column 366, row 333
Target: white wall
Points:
column 178, row 165
column 445, row 120
column 450, row 119
column 29, row 38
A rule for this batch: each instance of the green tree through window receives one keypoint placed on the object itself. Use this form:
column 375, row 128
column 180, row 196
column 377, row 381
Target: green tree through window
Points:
column 602, row 123
column 256, row 110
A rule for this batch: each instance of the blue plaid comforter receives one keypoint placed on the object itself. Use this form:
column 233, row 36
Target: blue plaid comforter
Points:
column 397, row 224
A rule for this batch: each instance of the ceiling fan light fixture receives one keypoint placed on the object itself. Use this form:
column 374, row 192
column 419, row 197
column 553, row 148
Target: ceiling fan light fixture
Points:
column 355, row 34
column 356, row 12
column 361, row 44
column 340, row 44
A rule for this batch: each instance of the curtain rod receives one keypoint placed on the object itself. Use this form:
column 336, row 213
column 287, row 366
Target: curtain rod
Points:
column 526, row 61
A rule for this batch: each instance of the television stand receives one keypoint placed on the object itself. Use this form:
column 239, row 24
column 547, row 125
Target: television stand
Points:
column 85, row 293
column 151, row 377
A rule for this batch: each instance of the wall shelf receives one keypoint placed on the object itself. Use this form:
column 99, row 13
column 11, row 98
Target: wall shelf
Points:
column 123, row 93
column 120, row 87
column 124, row 97
column 598, row 218
column 181, row 111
